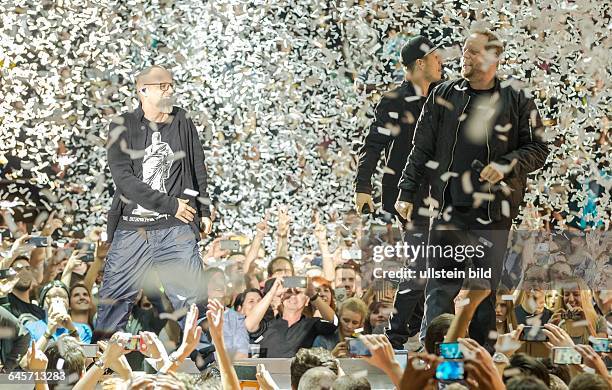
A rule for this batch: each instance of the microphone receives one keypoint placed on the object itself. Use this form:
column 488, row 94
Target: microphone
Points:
column 478, row 166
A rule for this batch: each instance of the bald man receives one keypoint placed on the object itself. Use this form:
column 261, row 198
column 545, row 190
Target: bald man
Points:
column 159, row 208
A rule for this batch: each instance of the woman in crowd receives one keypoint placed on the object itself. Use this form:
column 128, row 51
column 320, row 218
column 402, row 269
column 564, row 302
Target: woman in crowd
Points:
column 505, row 315
column 531, row 300
column 54, row 298
column 81, row 307
column 326, row 293
column 352, row 315
column 574, row 312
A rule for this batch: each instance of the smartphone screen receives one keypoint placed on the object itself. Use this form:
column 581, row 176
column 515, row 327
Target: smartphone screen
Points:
column 531, row 333
column 246, row 373
column 294, row 282
column 88, row 250
column 7, row 273
column 90, row 350
column 133, row 344
column 230, row 245
column 600, row 344
column 358, row 348
column 40, row 241
column 450, row 370
column 340, row 294
column 566, row 355
column 450, row 350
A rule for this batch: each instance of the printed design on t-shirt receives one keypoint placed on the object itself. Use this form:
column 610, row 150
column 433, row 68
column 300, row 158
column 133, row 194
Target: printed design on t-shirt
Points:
column 156, row 166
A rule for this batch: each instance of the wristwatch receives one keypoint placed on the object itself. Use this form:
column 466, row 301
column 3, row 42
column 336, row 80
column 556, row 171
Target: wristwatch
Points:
column 500, row 358
column 47, row 335
column 100, row 364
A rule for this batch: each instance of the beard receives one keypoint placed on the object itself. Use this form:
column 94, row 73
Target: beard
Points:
column 23, row 285
column 166, row 104
column 25, row 281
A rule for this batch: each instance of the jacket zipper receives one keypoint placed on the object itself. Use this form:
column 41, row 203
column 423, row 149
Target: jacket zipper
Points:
column 452, row 158
column 488, row 162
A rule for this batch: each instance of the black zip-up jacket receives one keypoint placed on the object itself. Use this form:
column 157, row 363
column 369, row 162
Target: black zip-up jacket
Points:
column 399, row 108
column 436, row 135
column 127, row 172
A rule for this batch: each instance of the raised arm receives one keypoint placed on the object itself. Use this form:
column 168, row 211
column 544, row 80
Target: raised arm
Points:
column 229, row 379
column 258, row 312
column 262, row 230
column 320, row 233
column 282, row 234
column 102, row 249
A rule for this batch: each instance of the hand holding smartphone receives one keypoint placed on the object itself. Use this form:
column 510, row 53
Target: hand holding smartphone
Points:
column 531, row 333
column 136, row 343
column 357, row 348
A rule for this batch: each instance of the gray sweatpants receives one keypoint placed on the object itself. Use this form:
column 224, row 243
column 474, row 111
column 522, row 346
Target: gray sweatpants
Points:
column 173, row 253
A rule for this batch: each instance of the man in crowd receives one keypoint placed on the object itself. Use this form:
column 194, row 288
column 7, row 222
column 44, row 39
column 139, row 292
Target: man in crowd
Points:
column 392, row 131
column 18, row 301
column 154, row 220
column 481, row 139
column 285, row 335
column 12, row 348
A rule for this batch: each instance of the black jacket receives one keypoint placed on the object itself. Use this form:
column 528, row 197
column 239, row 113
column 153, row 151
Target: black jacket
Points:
column 436, row 135
column 126, row 134
column 392, row 131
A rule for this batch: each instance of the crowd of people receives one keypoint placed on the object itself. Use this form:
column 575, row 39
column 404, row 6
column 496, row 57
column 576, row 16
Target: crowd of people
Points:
column 245, row 310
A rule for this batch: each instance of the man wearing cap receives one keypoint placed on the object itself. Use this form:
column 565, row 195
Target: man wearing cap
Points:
column 392, row 131
column 479, row 139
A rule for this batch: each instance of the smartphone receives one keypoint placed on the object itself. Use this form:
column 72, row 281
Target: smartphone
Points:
column 5, row 234
column 246, row 373
column 340, row 294
column 295, row 282
column 357, row 348
column 88, row 249
column 351, row 254
column 600, row 344
column 450, row 350
column 90, row 350
column 529, row 333
column 7, row 273
column 566, row 355
column 135, row 344
column 58, row 305
column 230, row 245
column 39, row 241
column 450, row 370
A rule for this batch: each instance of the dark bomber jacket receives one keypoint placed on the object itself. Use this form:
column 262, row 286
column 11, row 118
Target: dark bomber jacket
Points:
column 436, row 136
column 400, row 107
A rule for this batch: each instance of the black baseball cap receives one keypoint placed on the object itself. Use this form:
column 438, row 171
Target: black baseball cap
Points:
column 416, row 48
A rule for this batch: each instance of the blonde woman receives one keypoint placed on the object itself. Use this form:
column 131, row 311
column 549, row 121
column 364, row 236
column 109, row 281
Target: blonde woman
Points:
column 352, row 314
column 575, row 313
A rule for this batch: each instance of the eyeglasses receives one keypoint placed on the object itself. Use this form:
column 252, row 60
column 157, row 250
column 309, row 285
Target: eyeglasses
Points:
column 163, row 86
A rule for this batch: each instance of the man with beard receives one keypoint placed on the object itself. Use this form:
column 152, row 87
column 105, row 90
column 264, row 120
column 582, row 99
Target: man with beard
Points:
column 160, row 205
column 19, row 302
column 480, row 138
